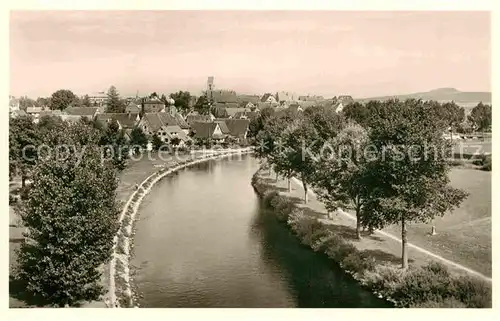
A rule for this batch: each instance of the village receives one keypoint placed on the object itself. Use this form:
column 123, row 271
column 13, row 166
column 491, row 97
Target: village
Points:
column 222, row 117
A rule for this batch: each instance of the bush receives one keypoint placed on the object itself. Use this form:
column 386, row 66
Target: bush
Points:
column 341, row 251
column 472, row 292
column 446, row 303
column 438, row 269
column 487, row 163
column 357, row 262
column 281, row 206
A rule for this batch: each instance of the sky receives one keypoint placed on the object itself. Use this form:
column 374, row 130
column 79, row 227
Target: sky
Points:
column 363, row 54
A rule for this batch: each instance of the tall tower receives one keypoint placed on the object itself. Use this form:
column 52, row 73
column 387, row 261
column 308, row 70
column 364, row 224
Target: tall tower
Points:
column 210, row 88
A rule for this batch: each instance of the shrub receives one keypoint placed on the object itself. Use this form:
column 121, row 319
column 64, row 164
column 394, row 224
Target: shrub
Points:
column 281, row 206
column 438, row 269
column 472, row 292
column 268, row 197
column 446, row 303
column 487, row 164
column 357, row 262
column 341, row 251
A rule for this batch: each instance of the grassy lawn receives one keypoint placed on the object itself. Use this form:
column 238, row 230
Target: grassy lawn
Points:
column 463, row 236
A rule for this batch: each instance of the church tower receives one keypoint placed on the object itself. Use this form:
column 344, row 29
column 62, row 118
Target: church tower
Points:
column 210, row 88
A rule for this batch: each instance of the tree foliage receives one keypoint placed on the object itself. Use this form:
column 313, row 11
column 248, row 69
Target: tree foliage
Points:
column 62, row 99
column 480, row 117
column 138, row 138
column 71, row 218
column 182, row 100
column 23, row 145
column 115, row 145
column 114, row 103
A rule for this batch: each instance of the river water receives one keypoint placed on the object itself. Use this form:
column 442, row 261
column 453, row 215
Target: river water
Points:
column 203, row 240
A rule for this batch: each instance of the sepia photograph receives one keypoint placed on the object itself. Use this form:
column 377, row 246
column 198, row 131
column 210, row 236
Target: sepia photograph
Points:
column 250, row 159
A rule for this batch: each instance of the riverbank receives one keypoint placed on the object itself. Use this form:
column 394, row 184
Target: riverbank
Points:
column 120, row 293
column 374, row 260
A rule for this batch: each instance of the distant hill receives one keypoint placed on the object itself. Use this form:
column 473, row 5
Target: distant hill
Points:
column 462, row 98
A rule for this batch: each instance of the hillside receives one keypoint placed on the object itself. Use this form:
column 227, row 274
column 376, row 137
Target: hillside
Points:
column 463, row 98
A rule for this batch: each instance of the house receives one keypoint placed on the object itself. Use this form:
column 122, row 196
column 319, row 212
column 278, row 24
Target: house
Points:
column 231, row 112
column 71, row 118
column 246, row 115
column 133, row 108
column 34, row 111
column 248, row 105
column 87, row 112
column 153, row 105
column 204, row 130
column 13, row 104
column 268, row 98
column 124, row 120
column 18, row 113
column 169, row 132
column 98, row 99
column 341, row 102
column 238, row 128
column 222, row 96
column 151, row 123
column 181, row 122
column 254, row 99
column 285, row 97
column 223, row 126
column 219, row 111
column 195, row 118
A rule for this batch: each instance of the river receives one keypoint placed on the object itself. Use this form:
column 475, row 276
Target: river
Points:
column 204, row 240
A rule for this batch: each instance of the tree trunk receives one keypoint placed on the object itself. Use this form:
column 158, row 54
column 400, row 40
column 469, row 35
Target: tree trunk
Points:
column 358, row 223
column 404, row 245
column 277, row 177
column 289, row 185
column 305, row 191
column 23, row 181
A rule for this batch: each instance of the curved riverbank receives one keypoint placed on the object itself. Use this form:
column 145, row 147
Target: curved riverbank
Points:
column 120, row 293
column 430, row 285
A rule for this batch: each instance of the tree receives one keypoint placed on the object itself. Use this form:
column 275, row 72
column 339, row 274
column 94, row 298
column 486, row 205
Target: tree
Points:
column 175, row 141
column 86, row 101
column 71, row 218
column 452, row 115
column 62, row 99
column 23, row 145
column 408, row 180
column 42, row 101
column 138, row 138
column 202, row 105
column 153, row 95
column 340, row 177
column 257, row 123
column 299, row 139
column 157, row 142
column 115, row 145
column 480, row 117
column 114, row 103
column 358, row 113
column 47, row 125
column 326, row 122
column 25, row 102
column 182, row 100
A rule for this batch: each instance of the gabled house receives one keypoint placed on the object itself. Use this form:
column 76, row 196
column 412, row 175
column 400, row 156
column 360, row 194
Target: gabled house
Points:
column 133, row 108
column 231, row 112
column 153, row 105
column 124, row 120
column 204, row 130
column 87, row 112
column 223, row 126
column 268, row 98
column 194, row 118
column 238, row 128
column 152, row 122
column 169, row 132
column 295, row 107
column 246, row 115
column 181, row 122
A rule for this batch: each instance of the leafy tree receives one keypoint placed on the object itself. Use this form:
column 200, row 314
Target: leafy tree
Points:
column 202, row 105
column 175, row 141
column 326, row 122
column 358, row 113
column 153, row 95
column 86, row 101
column 182, row 100
column 115, row 144
column 257, row 124
column 71, row 219
column 408, row 180
column 25, row 102
column 47, row 125
column 42, row 101
column 23, row 145
column 138, row 138
column 452, row 115
column 114, row 103
column 480, row 117
column 157, row 142
column 340, row 177
column 62, row 99
column 299, row 139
